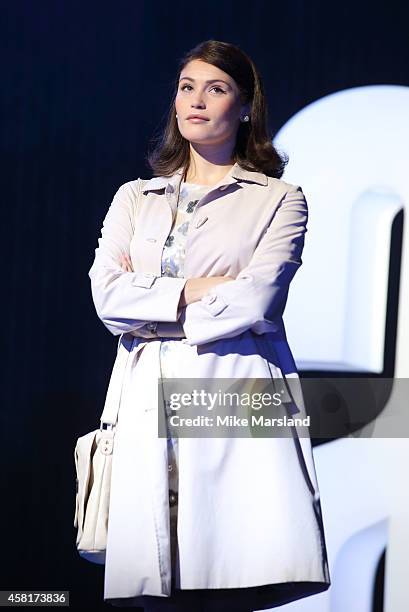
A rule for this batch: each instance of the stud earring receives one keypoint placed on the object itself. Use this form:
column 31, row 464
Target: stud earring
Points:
column 246, row 118
column 176, row 115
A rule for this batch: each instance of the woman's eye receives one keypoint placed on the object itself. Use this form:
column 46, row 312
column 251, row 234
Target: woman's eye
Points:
column 214, row 87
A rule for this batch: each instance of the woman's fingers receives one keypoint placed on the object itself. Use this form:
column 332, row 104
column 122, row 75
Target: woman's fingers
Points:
column 129, row 263
column 125, row 263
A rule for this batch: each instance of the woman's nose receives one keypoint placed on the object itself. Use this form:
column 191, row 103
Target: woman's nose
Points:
column 198, row 101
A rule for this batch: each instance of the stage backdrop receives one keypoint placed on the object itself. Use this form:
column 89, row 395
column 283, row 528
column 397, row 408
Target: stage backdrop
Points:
column 84, row 87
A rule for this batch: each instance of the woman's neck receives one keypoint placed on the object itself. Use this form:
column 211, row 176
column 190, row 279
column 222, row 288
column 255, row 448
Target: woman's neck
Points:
column 207, row 179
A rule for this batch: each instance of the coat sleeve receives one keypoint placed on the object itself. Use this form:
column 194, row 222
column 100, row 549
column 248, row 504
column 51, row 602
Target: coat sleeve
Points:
column 126, row 301
column 256, row 298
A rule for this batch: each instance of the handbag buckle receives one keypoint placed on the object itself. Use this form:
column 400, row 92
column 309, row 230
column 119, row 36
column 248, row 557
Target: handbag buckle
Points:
column 107, row 438
column 106, row 445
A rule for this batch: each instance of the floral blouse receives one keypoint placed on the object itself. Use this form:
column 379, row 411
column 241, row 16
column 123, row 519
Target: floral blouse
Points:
column 173, row 257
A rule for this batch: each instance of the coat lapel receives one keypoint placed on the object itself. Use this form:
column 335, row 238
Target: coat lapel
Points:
column 171, row 184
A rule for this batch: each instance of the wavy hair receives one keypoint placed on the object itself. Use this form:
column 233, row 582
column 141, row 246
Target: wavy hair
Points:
column 254, row 150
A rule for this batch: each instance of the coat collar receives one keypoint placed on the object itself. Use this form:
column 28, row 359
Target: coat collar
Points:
column 236, row 173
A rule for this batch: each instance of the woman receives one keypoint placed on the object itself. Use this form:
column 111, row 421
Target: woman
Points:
column 192, row 271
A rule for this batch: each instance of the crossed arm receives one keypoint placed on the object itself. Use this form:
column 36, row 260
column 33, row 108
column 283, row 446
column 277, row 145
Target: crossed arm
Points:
column 194, row 288
column 208, row 308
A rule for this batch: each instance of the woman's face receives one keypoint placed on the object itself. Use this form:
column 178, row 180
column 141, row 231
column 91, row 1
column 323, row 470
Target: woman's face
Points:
column 210, row 92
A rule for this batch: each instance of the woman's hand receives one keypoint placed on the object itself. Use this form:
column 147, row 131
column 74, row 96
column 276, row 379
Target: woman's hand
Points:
column 126, row 263
column 196, row 288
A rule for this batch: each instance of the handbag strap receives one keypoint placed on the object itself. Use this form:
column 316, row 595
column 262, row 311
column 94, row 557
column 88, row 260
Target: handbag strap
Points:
column 114, row 393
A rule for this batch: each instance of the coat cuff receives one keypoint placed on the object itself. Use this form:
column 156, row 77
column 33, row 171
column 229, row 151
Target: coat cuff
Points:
column 143, row 280
column 218, row 314
column 228, row 310
column 213, row 303
column 127, row 301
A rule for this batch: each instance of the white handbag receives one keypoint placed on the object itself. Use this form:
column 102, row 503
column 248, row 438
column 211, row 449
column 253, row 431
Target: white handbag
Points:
column 93, row 463
column 93, row 459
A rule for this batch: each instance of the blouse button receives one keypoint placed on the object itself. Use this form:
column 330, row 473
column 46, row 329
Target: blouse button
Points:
column 151, row 239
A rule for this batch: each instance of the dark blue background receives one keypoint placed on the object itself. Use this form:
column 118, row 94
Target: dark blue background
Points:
column 83, row 88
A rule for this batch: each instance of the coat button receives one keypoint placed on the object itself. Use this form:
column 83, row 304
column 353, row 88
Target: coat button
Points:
column 201, row 221
column 173, row 498
column 170, row 467
column 209, row 299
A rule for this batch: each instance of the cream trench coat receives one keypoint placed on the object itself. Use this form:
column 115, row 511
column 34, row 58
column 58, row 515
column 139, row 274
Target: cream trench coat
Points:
column 249, row 509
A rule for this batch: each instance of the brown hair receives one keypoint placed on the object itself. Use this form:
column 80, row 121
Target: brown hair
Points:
column 254, row 150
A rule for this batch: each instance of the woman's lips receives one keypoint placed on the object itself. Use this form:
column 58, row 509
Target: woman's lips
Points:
column 197, row 120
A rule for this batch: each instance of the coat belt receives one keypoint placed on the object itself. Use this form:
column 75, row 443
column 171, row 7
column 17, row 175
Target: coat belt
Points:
column 162, row 329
